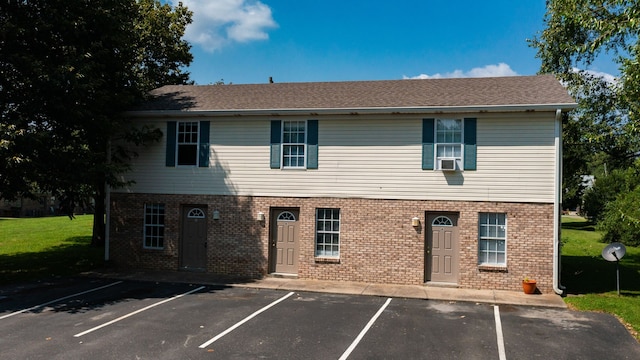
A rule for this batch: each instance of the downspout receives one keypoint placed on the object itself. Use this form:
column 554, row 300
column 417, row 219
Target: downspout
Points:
column 107, row 206
column 557, row 207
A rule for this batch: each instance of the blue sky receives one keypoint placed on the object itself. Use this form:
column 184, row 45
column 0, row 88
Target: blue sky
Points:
column 248, row 41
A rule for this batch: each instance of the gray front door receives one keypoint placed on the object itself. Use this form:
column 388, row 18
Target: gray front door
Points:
column 284, row 241
column 442, row 248
column 193, row 254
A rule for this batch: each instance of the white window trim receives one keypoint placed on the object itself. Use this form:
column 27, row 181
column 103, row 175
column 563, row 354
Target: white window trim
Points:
column 315, row 243
column 506, row 243
column 144, row 231
column 436, row 158
column 283, row 144
column 197, row 143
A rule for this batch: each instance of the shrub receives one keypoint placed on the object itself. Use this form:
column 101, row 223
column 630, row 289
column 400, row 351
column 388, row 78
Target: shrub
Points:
column 607, row 189
column 621, row 219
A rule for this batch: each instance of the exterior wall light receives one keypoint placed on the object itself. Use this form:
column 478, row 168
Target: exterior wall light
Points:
column 216, row 215
column 260, row 216
column 415, row 222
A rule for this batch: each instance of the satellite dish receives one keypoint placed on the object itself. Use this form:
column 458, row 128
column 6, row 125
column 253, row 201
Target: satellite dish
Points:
column 614, row 251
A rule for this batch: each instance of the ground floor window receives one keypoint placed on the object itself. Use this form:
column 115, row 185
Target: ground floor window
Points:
column 154, row 226
column 493, row 239
column 328, row 233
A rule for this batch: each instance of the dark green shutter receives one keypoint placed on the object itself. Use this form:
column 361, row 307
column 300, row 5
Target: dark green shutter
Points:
column 203, row 145
column 470, row 151
column 171, row 143
column 312, row 144
column 276, row 133
column 427, row 143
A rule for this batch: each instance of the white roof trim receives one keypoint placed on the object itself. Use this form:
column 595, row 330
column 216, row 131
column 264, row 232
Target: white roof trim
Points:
column 354, row 111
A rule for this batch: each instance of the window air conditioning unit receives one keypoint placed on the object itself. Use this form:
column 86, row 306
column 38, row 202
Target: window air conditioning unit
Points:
column 448, row 164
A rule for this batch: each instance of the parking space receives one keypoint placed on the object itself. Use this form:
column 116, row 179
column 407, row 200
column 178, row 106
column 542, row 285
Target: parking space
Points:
column 107, row 319
column 439, row 330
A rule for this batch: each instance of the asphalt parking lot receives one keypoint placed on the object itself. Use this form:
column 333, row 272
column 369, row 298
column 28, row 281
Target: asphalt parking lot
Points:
column 80, row 318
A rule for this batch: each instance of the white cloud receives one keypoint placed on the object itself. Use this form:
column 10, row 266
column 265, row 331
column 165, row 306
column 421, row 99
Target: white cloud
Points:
column 217, row 23
column 603, row 75
column 499, row 70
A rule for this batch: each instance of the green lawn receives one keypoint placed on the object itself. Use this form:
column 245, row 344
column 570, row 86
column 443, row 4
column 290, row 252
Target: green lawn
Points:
column 35, row 248
column 591, row 281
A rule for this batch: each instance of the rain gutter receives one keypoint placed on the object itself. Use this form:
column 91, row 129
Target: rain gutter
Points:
column 353, row 111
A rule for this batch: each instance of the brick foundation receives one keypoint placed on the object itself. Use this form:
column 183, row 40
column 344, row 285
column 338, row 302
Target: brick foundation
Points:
column 377, row 242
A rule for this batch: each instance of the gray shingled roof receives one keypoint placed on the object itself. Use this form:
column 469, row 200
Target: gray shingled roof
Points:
column 430, row 93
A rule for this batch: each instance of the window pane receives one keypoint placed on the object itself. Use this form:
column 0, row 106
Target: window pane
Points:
column 449, row 151
column 187, row 154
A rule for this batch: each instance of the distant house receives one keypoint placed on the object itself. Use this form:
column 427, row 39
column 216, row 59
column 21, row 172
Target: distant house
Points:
column 451, row 182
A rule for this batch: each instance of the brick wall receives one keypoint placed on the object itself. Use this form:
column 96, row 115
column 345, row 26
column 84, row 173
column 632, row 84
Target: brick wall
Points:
column 377, row 242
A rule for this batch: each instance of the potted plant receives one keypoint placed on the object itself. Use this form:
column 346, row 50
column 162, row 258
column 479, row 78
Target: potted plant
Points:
column 528, row 286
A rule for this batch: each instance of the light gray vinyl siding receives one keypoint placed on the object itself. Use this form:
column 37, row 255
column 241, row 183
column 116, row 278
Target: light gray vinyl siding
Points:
column 366, row 157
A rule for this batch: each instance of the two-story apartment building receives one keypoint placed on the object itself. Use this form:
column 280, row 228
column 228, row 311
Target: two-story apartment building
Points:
column 440, row 181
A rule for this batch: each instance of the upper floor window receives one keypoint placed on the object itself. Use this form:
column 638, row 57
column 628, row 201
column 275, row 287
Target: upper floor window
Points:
column 187, row 143
column 449, row 144
column 448, row 141
column 293, row 144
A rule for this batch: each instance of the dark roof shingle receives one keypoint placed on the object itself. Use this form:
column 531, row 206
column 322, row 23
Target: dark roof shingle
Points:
column 442, row 93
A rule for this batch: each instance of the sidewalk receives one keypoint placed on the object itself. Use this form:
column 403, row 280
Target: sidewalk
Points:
column 350, row 288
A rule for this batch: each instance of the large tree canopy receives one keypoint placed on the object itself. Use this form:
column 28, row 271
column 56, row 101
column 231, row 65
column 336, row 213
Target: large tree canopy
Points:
column 68, row 70
column 579, row 31
column 602, row 135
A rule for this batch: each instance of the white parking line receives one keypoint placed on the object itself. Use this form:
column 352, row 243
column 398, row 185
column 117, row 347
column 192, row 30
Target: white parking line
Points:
column 243, row 321
column 364, row 331
column 501, row 353
column 57, row 300
column 137, row 312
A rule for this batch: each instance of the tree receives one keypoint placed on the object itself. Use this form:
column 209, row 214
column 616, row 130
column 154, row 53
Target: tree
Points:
column 607, row 188
column 603, row 131
column 577, row 31
column 621, row 222
column 68, row 70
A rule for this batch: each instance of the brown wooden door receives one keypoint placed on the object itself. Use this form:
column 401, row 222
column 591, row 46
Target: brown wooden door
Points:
column 441, row 248
column 193, row 254
column 285, row 241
